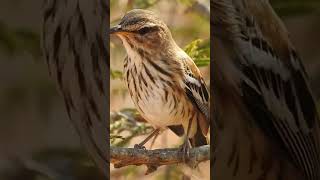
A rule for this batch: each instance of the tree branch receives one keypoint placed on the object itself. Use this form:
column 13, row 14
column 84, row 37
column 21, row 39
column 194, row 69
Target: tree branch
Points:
column 121, row 157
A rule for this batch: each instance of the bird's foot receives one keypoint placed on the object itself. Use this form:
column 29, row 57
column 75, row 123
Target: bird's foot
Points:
column 139, row 146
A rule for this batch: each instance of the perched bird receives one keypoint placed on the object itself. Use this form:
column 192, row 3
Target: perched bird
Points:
column 75, row 48
column 266, row 122
column 164, row 83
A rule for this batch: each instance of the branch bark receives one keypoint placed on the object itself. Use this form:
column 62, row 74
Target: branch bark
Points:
column 121, row 157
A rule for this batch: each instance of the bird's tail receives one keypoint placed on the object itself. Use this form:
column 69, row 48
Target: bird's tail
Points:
column 199, row 139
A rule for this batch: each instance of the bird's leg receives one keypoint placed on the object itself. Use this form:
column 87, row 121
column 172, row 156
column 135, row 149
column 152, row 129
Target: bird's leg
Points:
column 141, row 145
column 153, row 140
column 185, row 146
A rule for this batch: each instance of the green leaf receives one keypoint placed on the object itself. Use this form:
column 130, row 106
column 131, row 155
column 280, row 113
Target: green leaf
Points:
column 202, row 63
column 199, row 51
column 116, row 74
column 127, row 124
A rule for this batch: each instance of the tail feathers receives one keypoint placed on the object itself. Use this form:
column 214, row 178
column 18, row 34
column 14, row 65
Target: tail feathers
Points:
column 177, row 129
column 198, row 139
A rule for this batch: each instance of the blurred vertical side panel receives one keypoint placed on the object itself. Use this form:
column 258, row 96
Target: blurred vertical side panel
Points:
column 212, row 95
column 75, row 45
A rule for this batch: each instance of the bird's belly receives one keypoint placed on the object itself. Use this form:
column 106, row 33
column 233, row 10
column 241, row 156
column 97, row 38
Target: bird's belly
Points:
column 159, row 102
column 157, row 110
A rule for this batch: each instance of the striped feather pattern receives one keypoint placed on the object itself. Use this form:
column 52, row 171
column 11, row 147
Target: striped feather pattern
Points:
column 271, row 85
column 75, row 48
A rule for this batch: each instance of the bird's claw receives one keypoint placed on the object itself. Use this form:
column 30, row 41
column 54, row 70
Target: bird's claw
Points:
column 185, row 149
column 139, row 146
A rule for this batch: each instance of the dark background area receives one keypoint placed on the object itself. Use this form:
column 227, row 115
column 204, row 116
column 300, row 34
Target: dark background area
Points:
column 37, row 140
column 36, row 136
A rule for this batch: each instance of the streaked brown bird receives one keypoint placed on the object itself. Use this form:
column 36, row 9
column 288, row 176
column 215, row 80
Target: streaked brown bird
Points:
column 74, row 45
column 164, row 83
column 267, row 126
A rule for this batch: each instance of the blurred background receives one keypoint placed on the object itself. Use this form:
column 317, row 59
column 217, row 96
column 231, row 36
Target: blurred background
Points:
column 38, row 142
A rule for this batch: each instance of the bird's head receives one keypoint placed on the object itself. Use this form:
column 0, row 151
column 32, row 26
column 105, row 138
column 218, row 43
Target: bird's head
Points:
column 142, row 29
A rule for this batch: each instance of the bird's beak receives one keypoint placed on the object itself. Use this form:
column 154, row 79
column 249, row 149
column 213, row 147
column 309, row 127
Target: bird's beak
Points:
column 116, row 29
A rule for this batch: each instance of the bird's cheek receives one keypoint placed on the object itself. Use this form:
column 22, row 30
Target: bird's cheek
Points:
column 153, row 42
column 138, row 39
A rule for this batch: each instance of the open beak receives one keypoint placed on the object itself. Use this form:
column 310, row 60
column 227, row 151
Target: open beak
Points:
column 116, row 29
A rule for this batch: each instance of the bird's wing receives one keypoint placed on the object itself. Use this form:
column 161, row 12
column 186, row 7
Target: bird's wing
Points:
column 274, row 88
column 195, row 87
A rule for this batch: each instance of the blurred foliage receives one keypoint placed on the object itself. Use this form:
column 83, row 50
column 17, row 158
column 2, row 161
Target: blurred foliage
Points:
column 116, row 74
column 143, row 4
column 30, row 86
column 18, row 40
column 199, row 51
column 52, row 164
column 171, row 172
column 130, row 171
column 125, row 125
column 187, row 3
column 73, row 163
column 295, row 7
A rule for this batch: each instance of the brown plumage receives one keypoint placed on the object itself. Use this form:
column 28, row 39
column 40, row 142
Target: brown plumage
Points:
column 163, row 81
column 267, row 123
column 75, row 48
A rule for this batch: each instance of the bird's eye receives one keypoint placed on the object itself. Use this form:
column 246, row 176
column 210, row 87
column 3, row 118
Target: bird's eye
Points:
column 145, row 30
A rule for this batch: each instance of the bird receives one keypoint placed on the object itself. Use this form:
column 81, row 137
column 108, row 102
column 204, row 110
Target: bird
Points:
column 266, row 124
column 75, row 49
column 164, row 83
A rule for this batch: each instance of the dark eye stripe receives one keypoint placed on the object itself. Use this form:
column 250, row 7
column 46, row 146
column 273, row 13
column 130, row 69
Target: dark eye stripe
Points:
column 146, row 30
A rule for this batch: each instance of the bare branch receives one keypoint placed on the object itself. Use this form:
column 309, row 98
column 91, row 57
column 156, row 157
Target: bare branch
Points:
column 121, row 157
